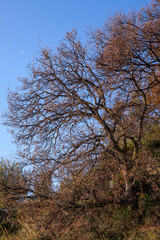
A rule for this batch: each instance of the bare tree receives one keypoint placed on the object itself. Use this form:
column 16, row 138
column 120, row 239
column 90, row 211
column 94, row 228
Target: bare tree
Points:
column 86, row 101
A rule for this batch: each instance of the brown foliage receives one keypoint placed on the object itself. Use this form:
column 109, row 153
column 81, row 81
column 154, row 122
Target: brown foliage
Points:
column 87, row 102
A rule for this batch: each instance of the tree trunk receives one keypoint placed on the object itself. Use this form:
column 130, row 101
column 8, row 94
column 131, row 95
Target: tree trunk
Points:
column 128, row 184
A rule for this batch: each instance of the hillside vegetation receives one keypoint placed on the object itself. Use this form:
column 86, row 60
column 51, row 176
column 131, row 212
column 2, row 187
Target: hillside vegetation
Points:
column 87, row 126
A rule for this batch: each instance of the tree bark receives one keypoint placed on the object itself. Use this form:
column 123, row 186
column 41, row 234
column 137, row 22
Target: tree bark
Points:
column 128, row 184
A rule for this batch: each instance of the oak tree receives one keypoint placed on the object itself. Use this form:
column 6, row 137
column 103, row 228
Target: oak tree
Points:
column 87, row 102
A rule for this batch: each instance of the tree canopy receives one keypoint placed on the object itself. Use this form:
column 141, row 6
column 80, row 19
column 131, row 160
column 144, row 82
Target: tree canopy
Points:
column 88, row 102
column 87, row 120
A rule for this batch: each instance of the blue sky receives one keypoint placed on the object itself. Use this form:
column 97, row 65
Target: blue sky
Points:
column 25, row 25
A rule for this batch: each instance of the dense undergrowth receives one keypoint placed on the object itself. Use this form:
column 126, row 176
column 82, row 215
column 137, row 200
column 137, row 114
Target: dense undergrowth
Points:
column 111, row 221
column 92, row 207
